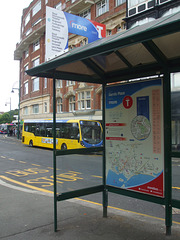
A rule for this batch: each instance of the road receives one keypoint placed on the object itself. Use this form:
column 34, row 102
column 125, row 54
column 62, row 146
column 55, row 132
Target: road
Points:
column 23, row 167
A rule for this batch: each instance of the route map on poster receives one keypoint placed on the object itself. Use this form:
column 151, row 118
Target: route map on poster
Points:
column 134, row 137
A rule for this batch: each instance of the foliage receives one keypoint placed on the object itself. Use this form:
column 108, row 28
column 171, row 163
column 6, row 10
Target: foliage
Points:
column 8, row 116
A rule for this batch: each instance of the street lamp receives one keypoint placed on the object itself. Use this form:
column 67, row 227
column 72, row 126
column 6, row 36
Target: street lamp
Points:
column 12, row 91
column 9, row 104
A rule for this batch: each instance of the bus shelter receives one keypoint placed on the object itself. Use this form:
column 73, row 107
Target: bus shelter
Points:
column 134, row 68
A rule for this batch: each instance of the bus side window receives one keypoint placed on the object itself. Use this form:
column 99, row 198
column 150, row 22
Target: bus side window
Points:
column 58, row 132
column 26, row 127
column 37, row 132
column 33, row 129
column 74, row 131
column 42, row 130
column 48, row 132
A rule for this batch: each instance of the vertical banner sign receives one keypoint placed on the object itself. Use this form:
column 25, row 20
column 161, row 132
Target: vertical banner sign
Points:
column 59, row 24
column 134, row 137
column 56, row 33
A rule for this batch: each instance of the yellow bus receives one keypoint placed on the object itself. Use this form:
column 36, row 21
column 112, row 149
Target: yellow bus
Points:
column 70, row 134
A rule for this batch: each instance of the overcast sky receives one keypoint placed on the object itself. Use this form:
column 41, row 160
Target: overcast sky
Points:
column 10, row 19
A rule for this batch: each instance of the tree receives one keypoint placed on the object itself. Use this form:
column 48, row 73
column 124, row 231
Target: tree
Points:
column 5, row 118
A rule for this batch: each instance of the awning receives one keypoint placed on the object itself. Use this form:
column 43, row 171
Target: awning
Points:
column 141, row 51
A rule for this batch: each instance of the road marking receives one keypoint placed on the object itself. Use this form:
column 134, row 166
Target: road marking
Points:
column 96, row 176
column 3, row 157
column 36, row 165
column 11, row 159
column 83, row 200
column 21, row 162
column 176, row 188
column 25, row 185
column 124, row 210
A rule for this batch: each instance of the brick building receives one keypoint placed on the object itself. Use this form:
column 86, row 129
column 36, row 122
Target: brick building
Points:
column 74, row 100
column 143, row 11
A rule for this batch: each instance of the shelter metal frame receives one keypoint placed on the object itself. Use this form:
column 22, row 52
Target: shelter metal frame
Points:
column 147, row 50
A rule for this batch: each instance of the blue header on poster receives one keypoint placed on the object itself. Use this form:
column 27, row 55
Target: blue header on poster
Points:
column 116, row 94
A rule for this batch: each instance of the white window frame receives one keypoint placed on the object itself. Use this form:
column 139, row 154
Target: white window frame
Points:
column 28, row 31
column 25, row 110
column 35, row 84
column 70, row 83
column 36, row 22
column 72, row 104
column 102, row 7
column 36, row 8
column 59, row 105
column 45, row 82
column 58, row 83
column 35, row 108
column 86, row 14
column 36, row 62
column 36, row 45
column 25, row 69
column 26, row 87
column 84, row 100
column 119, row 2
column 26, row 53
column 59, row 6
column 45, row 107
column 27, row 19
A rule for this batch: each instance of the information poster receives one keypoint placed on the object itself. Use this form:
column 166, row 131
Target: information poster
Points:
column 134, row 137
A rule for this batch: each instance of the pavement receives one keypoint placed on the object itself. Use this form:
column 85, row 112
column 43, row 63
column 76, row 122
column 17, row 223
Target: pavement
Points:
column 27, row 214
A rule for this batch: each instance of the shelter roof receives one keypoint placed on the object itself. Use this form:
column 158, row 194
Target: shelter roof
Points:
column 141, row 51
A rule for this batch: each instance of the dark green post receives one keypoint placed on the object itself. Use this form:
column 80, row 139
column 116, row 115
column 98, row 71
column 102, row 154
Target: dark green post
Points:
column 54, row 154
column 105, row 191
column 167, row 151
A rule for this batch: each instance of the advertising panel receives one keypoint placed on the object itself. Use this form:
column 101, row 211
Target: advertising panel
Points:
column 134, row 137
column 59, row 24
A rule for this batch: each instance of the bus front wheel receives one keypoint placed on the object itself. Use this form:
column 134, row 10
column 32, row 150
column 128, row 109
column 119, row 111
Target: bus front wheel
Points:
column 31, row 143
column 63, row 146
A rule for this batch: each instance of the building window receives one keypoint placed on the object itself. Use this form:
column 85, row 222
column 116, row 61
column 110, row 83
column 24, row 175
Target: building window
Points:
column 45, row 82
column 26, row 68
column 26, row 53
column 119, row 2
column 143, row 21
column 109, row 32
column 25, row 110
column 86, row 14
column 175, row 81
column 132, row 3
column 58, row 83
column 72, row 104
column 27, row 19
column 59, row 105
column 102, row 7
column 26, row 88
column 28, row 31
column 36, row 22
column 36, row 45
column 35, row 84
column 36, row 62
column 36, row 8
column 59, row 6
column 70, row 83
column 45, row 107
column 35, row 108
column 84, row 100
column 46, row 1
